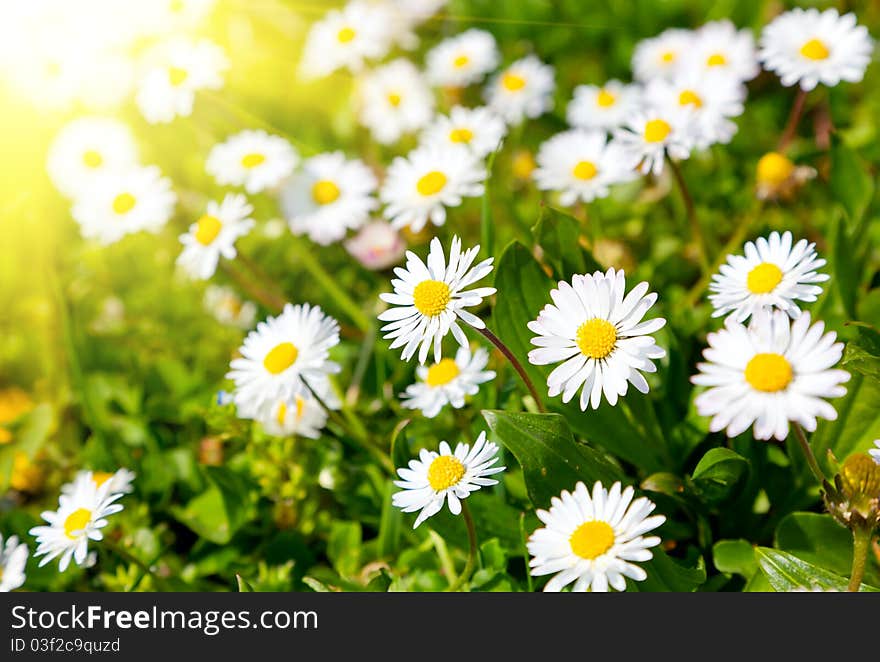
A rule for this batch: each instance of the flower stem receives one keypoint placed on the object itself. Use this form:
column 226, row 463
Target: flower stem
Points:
column 472, row 549
column 794, row 118
column 694, row 223
column 861, row 542
column 808, row 453
column 495, row 340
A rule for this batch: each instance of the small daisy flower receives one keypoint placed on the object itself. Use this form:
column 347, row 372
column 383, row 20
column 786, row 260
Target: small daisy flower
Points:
column 448, row 477
column 776, row 177
column 118, row 481
column 302, row 417
column 875, row 452
column 328, row 197
column 650, row 135
column 768, row 374
column 478, row 129
column 594, row 541
column 376, row 246
column 599, row 336
column 809, row 47
column 253, row 159
column 429, row 299
column 606, row 107
column 462, row 60
column 282, row 355
column 394, row 100
column 228, row 308
column 448, row 382
column 720, row 48
column 581, row 165
column 662, row 56
column 421, row 186
column 772, row 274
column 87, row 148
column 524, row 89
column 215, row 234
column 13, row 559
column 125, row 202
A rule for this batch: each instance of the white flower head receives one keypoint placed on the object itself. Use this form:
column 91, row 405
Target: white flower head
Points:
column 112, row 482
column 445, row 477
column 875, row 452
column 662, row 56
column 594, row 540
column 448, row 382
column 377, row 245
column 524, row 89
column 430, row 298
column 649, row 135
column 214, row 235
column 771, row 274
column 253, row 159
column 770, row 373
column 228, row 308
column 394, row 100
column 301, row 417
column 462, row 60
column 478, row 129
column 606, row 107
column 599, row 336
column 13, row 559
column 174, row 16
column 720, row 48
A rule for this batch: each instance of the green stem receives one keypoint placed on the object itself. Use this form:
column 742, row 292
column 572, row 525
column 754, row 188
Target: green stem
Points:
column 794, row 118
column 487, row 228
column 495, row 340
column 696, row 229
column 472, row 549
column 808, row 453
column 525, row 550
column 128, row 557
column 861, row 543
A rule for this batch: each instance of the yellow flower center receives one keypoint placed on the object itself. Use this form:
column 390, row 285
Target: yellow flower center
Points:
column 656, row 130
column 596, row 338
column 394, row 99
column 252, row 160
column 716, row 60
column 345, row 35
column 207, row 229
column 591, row 539
column 815, row 50
column 442, row 373
column 92, row 158
column 76, row 522
column 432, row 183
column 324, row 192
column 513, row 82
column 774, row 169
column 605, row 99
column 584, row 170
column 764, row 278
column 668, row 57
column 461, row 61
column 101, row 477
column 177, row 75
column 768, row 372
column 461, row 135
column 280, row 357
column 444, row 472
column 431, row 297
column 690, row 97
column 124, row 203
column 523, row 164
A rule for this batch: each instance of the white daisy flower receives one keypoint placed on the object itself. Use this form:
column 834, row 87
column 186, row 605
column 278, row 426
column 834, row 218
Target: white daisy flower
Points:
column 662, row 56
column 462, row 60
column 252, row 158
column 429, row 299
column 875, row 452
column 772, row 274
column 328, row 197
column 478, row 129
column 13, row 559
column 87, row 148
column 177, row 15
column 599, row 335
column 80, row 516
column 768, row 374
column 448, row 382
column 215, row 234
column 376, row 246
column 594, row 541
column 650, row 135
column 301, row 417
column 524, row 89
column 606, row 107
column 282, row 356
column 393, row 100
column 125, row 202
column 431, row 178
column 809, row 47
column 449, row 477
column 719, row 48
column 581, row 165
column 228, row 308
column 118, row 481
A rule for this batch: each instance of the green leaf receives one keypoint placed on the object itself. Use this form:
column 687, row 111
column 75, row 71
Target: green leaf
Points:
column 559, row 235
column 736, row 557
column 718, row 472
column 850, row 183
column 243, row 585
column 847, row 266
column 857, row 424
column 389, row 525
column 493, row 556
column 787, row 572
column 218, row 512
column 344, row 547
column 666, row 575
column 863, row 353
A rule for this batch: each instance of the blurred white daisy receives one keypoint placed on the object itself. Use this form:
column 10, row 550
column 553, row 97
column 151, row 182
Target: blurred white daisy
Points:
column 376, row 245
column 404, row 16
column 448, row 382
column 448, row 477
column 329, row 196
column 301, row 417
column 581, row 165
column 650, row 135
column 214, row 235
column 809, row 47
column 772, row 274
column 606, row 107
column 229, row 308
column 117, row 481
column 875, row 452
column 462, row 60
column 720, row 48
column 13, row 559
column 420, row 187
column 768, row 374
column 252, row 158
column 171, row 16
column 478, row 129
column 524, row 89
column 393, row 100
column 599, row 336
column 662, row 56
column 429, row 299
column 594, row 540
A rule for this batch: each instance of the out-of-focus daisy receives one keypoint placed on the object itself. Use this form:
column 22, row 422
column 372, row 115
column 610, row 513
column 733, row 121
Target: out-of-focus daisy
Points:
column 117, row 481
column 301, row 417
column 599, row 336
column 768, row 374
column 282, row 355
column 429, row 299
column 393, row 100
column 125, row 202
column 252, row 158
column 228, row 308
column 606, row 107
column 87, row 148
column 448, row 477
column 329, row 196
column 215, row 234
column 13, row 559
column 421, row 186
column 522, row 165
column 377, row 245
column 650, row 135
column 772, row 274
column 176, row 15
column 14, row 402
column 448, row 382
column 875, row 452
column 524, row 89
column 581, row 165
column 776, row 177
column 809, row 47
column 478, row 129
column 462, row 60
column 594, row 541
column 720, row 48
column 662, row 56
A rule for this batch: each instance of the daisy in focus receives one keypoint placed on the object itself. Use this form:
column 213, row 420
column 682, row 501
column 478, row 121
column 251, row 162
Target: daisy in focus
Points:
column 606, row 107
column 13, row 559
column 524, row 89
column 447, row 477
column 252, row 158
column 770, row 373
column 462, row 60
column 215, row 234
column 329, row 196
column 394, row 100
column 376, row 246
column 771, row 274
column 599, row 337
column 720, row 48
column 662, row 56
column 119, row 481
column 228, row 308
column 478, row 129
column 650, row 135
column 448, row 382
column 429, row 299
column 594, row 540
